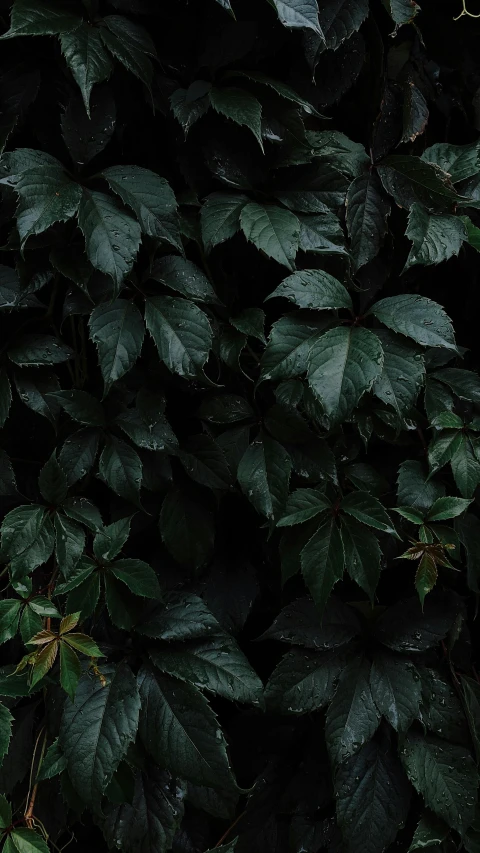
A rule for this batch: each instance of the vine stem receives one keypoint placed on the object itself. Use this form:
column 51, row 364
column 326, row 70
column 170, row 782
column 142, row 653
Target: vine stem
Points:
column 29, row 819
column 465, row 12
column 228, row 831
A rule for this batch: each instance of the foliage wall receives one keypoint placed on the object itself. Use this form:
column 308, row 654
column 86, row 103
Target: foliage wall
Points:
column 240, row 426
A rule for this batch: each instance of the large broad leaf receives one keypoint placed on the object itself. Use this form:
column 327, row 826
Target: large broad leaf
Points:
column 220, row 217
column 418, row 318
column 465, row 466
column 182, row 334
column 131, row 44
column 405, row 627
column 147, row 824
column 216, row 665
column 300, row 624
column 41, row 18
column 302, row 505
column 402, row 11
column 342, row 365
column 435, row 237
column 373, row 797
column 273, row 230
column 120, row 467
column 302, row 683
column 352, row 718
column 184, row 617
column 264, row 474
column 298, row 14
column 415, row 488
column 322, row 561
column 187, row 528
column 362, row 556
column 313, row 289
column 396, row 690
column 445, row 775
column 184, row 277
column 97, row 728
column 403, row 373
column 150, row 197
column 117, row 330
column 179, row 729
column 368, row 510
column 367, row 214
column 339, row 19
column 240, row 106
column 322, row 235
column 87, row 59
column 288, row 346
column 460, row 161
column 112, row 236
column 47, row 195
column 409, row 179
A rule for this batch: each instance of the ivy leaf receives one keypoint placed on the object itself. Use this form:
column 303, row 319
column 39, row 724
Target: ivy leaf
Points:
column 205, row 462
column 300, row 624
column 405, row 627
column 396, row 690
column 150, row 197
column 302, row 505
column 465, row 467
column 342, row 365
column 288, row 346
column 435, row 237
column 339, row 19
column 415, row 112
column 240, row 106
column 220, row 218
column 313, row 289
column 410, row 179
column 298, row 14
column 302, row 683
column 78, row 454
column 445, row 775
column 26, row 841
column 187, row 528
column 130, row 44
column 370, row 811
column 33, row 386
column 87, row 59
column 138, row 576
column 38, row 350
column 264, row 474
column 69, row 544
column 322, row 235
column 362, row 556
column 112, row 236
column 110, row 540
column 273, row 230
column 444, row 508
column 150, row 821
column 182, row 334
column 32, row 18
column 429, row 832
column 95, row 740
column 352, row 717
column 459, row 161
column 6, row 720
column 117, row 331
column 184, row 277
column 403, row 373
column 367, row 214
column 179, row 729
column 81, row 406
column 47, row 195
column 183, row 617
column 368, row 510
column 86, row 135
column 401, row 11
column 120, row 467
column 216, row 665
column 322, row 561
column 418, row 318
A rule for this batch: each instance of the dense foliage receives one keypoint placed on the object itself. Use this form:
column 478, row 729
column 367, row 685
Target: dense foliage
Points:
column 240, row 426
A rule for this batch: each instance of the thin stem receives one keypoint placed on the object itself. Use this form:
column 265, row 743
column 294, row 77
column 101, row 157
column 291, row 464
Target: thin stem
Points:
column 465, row 12
column 228, row 831
column 29, row 820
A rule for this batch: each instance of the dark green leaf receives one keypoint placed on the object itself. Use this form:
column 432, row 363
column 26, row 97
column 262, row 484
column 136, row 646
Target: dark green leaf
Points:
column 322, row 561
column 302, row 683
column 362, row 556
column 120, row 468
column 313, row 289
column 117, row 330
column 112, row 236
column 352, row 718
column 273, row 230
column 416, row 317
column 367, row 214
column 184, row 277
column 264, row 474
column 396, row 690
column 182, row 334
